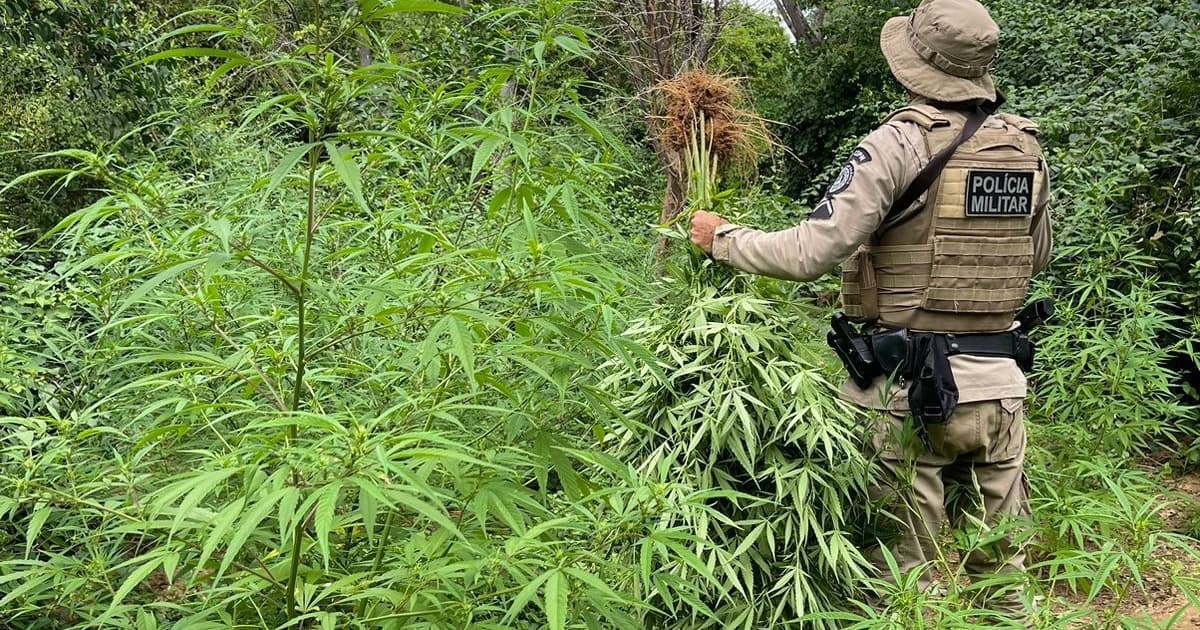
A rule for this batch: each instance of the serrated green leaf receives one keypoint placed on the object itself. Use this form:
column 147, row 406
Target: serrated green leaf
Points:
column 572, row 45
column 326, row 505
column 36, row 522
column 524, row 596
column 387, row 8
column 146, row 287
column 135, row 577
column 483, row 154
column 285, row 167
column 179, row 53
column 201, row 485
column 462, row 347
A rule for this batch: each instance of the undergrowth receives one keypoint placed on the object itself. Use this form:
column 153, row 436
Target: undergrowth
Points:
column 349, row 342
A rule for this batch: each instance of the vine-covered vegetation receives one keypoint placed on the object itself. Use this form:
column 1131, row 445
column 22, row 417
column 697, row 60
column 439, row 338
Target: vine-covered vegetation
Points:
column 332, row 314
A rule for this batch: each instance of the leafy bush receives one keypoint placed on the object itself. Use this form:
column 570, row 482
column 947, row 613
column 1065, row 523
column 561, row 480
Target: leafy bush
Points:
column 1128, row 145
column 837, row 93
column 1104, row 82
column 1126, row 169
column 36, row 317
column 754, row 47
column 1139, row 156
column 67, row 84
column 344, row 348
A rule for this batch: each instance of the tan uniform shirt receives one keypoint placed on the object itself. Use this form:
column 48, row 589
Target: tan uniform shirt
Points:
column 879, row 171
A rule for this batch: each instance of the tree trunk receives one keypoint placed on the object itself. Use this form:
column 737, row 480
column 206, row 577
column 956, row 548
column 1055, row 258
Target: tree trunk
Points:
column 655, row 40
column 674, row 200
column 803, row 29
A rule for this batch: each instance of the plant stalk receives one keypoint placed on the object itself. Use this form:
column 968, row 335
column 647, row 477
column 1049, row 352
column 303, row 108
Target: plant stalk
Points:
column 314, row 155
column 379, row 551
column 294, row 566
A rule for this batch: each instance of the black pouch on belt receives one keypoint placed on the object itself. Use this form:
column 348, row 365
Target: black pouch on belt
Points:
column 933, row 394
column 891, row 351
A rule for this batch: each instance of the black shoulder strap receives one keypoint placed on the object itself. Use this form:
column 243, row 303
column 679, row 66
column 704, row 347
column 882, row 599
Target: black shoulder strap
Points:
column 932, row 170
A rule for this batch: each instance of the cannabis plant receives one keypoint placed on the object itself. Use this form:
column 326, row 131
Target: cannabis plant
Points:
column 735, row 401
column 335, row 375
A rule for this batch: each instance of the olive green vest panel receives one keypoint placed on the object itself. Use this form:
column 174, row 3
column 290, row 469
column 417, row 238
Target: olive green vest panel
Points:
column 963, row 262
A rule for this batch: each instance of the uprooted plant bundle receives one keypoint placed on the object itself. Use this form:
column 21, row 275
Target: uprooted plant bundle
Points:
column 734, row 419
column 734, row 405
column 706, row 125
column 706, row 122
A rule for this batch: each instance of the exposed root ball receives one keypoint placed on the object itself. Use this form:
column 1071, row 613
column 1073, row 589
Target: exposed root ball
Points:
column 735, row 133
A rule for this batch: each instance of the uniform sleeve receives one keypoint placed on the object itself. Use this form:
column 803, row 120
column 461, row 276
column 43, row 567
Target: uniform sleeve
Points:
column 879, row 170
column 1043, row 240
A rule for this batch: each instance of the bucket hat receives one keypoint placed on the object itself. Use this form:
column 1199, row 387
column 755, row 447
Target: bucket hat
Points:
column 944, row 50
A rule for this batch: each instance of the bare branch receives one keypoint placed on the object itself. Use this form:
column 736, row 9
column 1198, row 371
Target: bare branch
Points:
column 654, row 40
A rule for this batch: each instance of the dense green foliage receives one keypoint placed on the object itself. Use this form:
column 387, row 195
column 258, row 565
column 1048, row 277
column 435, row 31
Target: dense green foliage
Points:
column 66, row 84
column 352, row 322
column 735, row 407
column 307, row 330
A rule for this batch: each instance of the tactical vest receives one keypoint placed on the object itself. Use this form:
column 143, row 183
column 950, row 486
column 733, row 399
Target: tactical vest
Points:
column 962, row 263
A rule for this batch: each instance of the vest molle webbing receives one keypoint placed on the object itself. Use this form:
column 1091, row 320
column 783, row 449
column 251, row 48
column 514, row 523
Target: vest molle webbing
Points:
column 963, row 262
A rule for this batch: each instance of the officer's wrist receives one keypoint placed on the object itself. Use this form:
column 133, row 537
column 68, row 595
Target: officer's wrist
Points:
column 721, row 241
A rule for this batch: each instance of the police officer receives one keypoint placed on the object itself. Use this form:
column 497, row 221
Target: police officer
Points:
column 940, row 216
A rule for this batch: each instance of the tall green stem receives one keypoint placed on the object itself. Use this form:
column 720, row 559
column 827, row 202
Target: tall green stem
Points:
column 310, row 227
column 379, row 551
column 294, row 568
column 314, row 155
column 701, row 166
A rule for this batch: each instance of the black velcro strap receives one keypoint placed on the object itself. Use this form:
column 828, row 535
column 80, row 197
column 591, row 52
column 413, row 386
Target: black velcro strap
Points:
column 933, row 170
column 986, row 345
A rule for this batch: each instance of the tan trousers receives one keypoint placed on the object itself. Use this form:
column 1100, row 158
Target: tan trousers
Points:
column 978, row 459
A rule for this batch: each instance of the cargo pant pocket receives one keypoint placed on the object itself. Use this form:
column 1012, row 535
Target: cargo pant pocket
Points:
column 1008, row 431
column 895, row 438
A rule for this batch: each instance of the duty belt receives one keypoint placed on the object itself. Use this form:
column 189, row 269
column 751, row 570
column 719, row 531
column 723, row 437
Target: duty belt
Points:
column 922, row 358
column 892, row 347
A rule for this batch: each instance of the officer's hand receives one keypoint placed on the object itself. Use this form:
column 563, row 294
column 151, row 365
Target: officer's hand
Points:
column 704, row 223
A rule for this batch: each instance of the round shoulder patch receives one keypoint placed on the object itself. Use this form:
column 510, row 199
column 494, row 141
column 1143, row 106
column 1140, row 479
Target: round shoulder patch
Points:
column 843, row 180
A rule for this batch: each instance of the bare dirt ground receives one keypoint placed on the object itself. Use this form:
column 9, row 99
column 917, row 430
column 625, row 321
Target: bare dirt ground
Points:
column 1163, row 600
column 1163, row 604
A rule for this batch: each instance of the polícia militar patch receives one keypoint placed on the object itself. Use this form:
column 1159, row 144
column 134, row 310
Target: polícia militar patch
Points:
column 999, row 193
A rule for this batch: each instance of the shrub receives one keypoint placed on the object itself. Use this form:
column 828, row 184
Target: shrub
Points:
column 67, row 84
